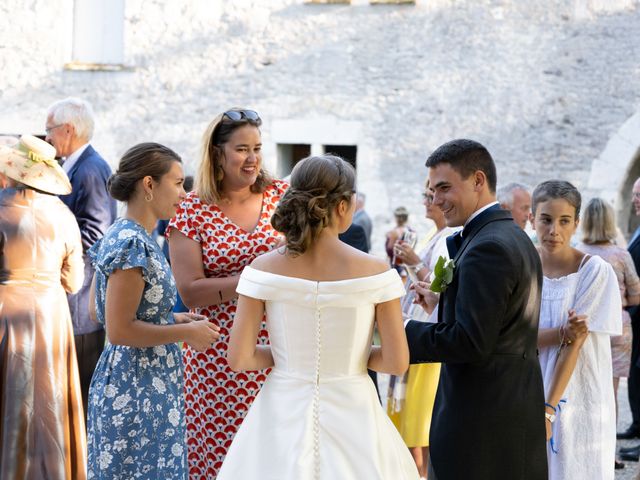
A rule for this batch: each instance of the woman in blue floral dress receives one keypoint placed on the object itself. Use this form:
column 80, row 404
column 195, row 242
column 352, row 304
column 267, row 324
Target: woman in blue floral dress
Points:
column 136, row 408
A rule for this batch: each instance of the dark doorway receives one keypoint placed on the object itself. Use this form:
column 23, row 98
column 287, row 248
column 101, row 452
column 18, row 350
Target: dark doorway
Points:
column 348, row 152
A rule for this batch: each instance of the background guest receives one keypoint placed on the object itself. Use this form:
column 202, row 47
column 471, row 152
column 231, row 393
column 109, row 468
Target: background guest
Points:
column 362, row 218
column 136, row 409
column 69, row 129
column 579, row 291
column 42, row 424
column 401, row 216
column 516, row 198
column 633, row 384
column 411, row 397
column 219, row 229
column 598, row 238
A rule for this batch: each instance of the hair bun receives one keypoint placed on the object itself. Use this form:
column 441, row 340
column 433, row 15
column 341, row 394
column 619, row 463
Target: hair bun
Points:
column 318, row 185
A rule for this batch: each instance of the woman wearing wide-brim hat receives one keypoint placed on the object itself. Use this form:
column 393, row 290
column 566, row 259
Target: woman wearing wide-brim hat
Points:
column 43, row 431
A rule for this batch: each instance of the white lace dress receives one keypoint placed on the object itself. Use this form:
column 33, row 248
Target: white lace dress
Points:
column 317, row 416
column 584, row 432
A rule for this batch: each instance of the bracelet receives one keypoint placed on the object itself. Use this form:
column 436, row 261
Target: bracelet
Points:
column 551, row 407
column 417, row 267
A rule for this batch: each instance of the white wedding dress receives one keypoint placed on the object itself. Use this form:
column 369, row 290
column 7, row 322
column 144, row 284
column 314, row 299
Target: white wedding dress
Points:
column 318, row 415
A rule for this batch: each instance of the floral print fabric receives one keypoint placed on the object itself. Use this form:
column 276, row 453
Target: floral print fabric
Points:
column 136, row 421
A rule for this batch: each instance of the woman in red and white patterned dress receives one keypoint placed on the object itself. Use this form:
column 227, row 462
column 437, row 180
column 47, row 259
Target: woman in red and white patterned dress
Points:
column 218, row 230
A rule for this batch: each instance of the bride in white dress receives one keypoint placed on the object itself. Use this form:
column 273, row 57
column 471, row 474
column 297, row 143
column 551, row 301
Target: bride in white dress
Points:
column 317, row 415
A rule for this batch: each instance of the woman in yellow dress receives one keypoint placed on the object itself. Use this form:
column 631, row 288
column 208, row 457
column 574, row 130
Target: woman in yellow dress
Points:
column 411, row 397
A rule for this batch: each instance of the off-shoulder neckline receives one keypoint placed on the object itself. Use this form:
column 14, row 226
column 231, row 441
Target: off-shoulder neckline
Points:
column 309, row 281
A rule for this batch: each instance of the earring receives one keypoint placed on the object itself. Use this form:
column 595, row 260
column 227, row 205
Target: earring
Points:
column 148, row 197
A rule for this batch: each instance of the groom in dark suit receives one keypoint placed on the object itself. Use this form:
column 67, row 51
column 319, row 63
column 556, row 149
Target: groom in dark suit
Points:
column 488, row 420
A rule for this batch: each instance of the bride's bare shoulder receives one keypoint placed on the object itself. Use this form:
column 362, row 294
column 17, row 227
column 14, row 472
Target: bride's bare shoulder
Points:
column 367, row 264
column 269, row 260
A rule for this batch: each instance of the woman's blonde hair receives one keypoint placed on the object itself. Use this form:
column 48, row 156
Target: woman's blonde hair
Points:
column 210, row 175
column 598, row 222
column 318, row 185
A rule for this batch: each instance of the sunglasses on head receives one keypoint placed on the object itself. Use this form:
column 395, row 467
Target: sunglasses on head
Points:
column 237, row 115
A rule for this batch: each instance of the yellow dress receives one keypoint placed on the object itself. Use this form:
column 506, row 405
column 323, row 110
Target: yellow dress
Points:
column 412, row 413
column 414, row 418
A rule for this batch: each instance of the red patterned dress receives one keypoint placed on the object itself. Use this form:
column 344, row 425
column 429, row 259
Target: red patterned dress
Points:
column 216, row 398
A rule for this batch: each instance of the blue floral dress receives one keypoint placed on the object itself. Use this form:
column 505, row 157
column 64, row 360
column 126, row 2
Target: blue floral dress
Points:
column 136, row 407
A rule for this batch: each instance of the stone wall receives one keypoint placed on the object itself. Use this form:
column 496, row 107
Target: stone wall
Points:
column 544, row 85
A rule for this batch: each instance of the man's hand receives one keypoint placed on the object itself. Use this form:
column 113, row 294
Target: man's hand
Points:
column 427, row 299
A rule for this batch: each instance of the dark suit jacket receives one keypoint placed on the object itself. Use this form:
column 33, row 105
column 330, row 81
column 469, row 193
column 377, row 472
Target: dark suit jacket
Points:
column 488, row 417
column 95, row 211
column 356, row 237
column 634, row 250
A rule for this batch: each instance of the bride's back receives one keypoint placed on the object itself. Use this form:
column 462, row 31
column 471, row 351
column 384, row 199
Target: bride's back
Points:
column 320, row 328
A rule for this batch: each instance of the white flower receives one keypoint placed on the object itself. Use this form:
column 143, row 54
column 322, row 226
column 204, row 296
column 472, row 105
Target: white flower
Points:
column 120, row 445
column 126, row 233
column 117, row 420
column 105, row 459
column 170, row 361
column 110, row 391
column 158, row 385
column 144, row 441
column 154, row 294
column 146, row 405
column 174, row 417
column 117, row 356
column 143, row 362
column 160, row 350
column 176, row 449
column 121, row 401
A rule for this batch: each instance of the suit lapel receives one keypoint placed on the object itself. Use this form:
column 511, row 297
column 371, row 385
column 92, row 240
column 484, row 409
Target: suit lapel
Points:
column 485, row 218
column 634, row 239
column 87, row 152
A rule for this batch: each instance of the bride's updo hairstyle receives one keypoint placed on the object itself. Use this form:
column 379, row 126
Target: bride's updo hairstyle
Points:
column 318, row 185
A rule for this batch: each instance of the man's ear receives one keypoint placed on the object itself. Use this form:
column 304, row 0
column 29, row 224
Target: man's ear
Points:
column 531, row 217
column 480, row 180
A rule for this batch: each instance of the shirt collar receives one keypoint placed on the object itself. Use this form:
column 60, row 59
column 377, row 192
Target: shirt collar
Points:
column 71, row 160
column 478, row 212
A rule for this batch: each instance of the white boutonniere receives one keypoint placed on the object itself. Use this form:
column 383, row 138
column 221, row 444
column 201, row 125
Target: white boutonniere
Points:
column 442, row 274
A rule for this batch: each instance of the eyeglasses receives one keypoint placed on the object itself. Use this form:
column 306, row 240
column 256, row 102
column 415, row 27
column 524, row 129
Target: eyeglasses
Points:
column 427, row 197
column 48, row 129
column 635, row 195
column 237, row 115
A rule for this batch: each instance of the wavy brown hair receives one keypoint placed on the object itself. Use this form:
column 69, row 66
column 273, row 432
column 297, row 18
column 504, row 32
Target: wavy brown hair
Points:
column 318, row 185
column 210, row 175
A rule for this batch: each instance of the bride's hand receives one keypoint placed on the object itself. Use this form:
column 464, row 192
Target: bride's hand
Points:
column 186, row 317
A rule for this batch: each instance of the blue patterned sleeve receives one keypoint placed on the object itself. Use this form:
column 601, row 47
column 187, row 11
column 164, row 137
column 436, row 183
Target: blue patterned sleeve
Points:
column 94, row 252
column 128, row 251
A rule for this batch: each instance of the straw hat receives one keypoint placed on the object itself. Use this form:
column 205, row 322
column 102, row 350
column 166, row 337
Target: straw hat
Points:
column 33, row 162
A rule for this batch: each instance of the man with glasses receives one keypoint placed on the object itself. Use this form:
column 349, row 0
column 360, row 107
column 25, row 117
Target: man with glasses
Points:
column 69, row 128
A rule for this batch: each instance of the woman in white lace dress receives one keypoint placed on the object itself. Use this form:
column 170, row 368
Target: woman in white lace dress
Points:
column 317, row 415
column 579, row 313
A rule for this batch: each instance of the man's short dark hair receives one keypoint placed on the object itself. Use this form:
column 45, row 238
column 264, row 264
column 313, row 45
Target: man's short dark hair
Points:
column 466, row 157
